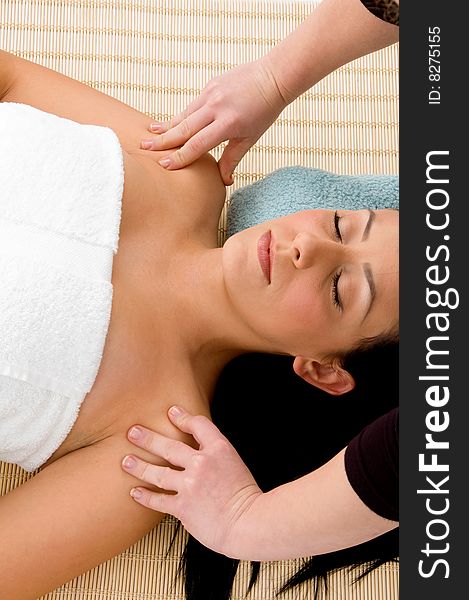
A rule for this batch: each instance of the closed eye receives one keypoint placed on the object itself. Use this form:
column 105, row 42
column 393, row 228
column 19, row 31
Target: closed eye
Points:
column 336, row 299
column 338, row 235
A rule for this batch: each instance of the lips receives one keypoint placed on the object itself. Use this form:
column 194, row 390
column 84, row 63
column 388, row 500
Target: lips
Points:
column 263, row 254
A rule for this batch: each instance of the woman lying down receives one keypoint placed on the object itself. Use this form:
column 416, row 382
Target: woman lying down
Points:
column 116, row 303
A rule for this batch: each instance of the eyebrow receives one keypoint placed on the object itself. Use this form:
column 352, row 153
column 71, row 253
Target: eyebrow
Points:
column 371, row 282
column 369, row 223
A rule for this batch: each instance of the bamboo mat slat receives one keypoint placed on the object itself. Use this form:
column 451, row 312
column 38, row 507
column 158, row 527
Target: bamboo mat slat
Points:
column 156, row 56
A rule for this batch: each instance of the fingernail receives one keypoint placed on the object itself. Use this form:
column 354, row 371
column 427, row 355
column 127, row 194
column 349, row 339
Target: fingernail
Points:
column 155, row 127
column 164, row 162
column 136, row 493
column 129, row 462
column 146, row 144
column 175, row 411
column 135, row 433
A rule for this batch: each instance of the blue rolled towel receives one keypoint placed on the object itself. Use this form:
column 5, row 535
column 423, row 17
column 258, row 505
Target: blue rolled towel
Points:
column 292, row 189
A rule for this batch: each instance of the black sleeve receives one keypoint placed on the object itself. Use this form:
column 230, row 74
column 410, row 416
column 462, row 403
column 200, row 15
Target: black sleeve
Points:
column 372, row 465
column 387, row 10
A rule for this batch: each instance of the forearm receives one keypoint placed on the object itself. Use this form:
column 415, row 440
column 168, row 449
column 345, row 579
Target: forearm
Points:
column 220, row 504
column 337, row 32
column 316, row 514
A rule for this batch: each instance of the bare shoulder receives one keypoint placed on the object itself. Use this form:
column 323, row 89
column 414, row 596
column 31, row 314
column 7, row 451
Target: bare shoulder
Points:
column 199, row 186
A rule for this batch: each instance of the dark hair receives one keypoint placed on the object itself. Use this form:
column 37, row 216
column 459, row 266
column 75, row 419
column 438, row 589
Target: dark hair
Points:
column 259, row 401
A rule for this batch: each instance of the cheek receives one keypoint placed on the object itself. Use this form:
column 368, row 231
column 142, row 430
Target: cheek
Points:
column 303, row 306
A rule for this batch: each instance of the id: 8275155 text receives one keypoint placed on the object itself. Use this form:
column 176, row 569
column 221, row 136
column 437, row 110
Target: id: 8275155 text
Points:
column 434, row 74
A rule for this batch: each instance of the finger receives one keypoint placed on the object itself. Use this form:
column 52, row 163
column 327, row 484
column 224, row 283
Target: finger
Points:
column 163, row 126
column 201, row 428
column 174, row 451
column 232, row 155
column 200, row 143
column 158, row 501
column 163, row 477
column 179, row 134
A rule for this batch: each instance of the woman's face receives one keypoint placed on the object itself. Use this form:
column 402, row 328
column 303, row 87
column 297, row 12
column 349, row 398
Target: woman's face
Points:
column 316, row 282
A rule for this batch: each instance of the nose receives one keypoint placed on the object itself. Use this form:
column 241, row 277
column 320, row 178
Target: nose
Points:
column 308, row 249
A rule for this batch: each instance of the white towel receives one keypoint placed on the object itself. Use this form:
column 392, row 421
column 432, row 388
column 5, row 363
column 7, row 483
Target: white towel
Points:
column 61, row 187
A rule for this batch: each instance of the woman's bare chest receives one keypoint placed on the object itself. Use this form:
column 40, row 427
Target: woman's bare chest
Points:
column 141, row 372
column 139, row 377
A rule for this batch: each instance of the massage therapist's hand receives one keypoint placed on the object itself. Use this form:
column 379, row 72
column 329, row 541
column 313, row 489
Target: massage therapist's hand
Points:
column 241, row 104
column 238, row 106
column 214, row 489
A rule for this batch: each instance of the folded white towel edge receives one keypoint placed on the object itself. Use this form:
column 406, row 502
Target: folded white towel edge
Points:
column 68, row 418
column 43, row 381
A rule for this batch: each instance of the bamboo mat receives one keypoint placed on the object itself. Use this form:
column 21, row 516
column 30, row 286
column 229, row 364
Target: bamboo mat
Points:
column 156, row 55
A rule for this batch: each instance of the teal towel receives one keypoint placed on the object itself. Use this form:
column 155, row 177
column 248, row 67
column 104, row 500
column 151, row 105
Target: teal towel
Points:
column 292, row 189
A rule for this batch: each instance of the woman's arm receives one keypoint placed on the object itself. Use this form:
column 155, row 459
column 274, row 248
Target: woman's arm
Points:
column 29, row 83
column 220, row 504
column 70, row 517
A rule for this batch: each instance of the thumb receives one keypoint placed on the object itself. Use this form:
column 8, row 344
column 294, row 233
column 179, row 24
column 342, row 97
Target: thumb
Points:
column 201, row 428
column 232, row 155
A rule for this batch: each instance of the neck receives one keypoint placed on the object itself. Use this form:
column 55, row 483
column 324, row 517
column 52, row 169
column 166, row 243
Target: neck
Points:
column 209, row 331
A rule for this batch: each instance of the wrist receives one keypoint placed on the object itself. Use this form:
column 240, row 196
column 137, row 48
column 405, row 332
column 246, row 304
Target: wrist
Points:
column 280, row 96
column 242, row 535
column 292, row 65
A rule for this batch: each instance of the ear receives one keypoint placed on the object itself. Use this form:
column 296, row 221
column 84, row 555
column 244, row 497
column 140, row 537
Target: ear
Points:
column 330, row 378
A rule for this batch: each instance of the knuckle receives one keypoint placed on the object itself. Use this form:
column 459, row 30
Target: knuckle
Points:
column 185, row 418
column 212, row 84
column 148, row 442
column 163, row 477
column 145, row 472
column 179, row 156
column 170, row 451
column 199, row 462
column 167, row 454
column 156, row 502
column 185, row 129
column 191, row 484
column 136, row 470
column 164, row 126
column 196, row 145
column 154, row 447
column 159, row 141
column 230, row 121
column 217, row 98
column 222, row 446
column 199, row 420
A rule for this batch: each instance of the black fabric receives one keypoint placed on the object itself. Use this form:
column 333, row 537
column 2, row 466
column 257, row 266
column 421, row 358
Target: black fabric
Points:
column 387, row 10
column 372, row 465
